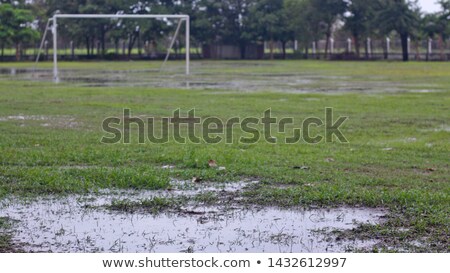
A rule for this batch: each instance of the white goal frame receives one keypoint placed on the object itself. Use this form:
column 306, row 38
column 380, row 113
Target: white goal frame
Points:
column 182, row 18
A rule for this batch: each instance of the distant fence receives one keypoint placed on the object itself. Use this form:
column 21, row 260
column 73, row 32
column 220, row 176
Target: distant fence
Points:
column 338, row 49
column 370, row 49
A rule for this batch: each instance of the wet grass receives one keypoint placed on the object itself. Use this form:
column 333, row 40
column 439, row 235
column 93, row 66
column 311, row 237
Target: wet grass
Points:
column 397, row 156
column 154, row 205
column 157, row 205
column 5, row 236
column 415, row 229
column 207, row 198
column 51, row 180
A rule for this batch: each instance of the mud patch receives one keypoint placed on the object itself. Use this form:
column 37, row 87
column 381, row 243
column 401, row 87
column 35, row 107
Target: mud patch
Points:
column 84, row 223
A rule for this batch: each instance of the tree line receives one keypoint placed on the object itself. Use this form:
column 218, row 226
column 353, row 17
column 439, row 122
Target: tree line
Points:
column 228, row 22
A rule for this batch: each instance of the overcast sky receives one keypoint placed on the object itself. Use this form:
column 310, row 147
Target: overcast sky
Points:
column 429, row 5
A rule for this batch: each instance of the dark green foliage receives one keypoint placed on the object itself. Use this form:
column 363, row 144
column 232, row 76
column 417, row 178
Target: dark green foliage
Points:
column 400, row 16
column 230, row 22
column 15, row 27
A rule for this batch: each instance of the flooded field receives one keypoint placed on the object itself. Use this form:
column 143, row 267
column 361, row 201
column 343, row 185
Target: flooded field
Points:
column 207, row 76
column 91, row 223
column 386, row 189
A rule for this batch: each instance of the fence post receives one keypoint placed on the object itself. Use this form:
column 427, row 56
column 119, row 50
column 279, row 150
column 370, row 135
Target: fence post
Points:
column 369, row 47
column 46, row 49
column 388, row 47
column 349, row 45
column 409, row 45
column 441, row 47
column 314, row 49
column 72, row 50
column 331, row 45
column 429, row 48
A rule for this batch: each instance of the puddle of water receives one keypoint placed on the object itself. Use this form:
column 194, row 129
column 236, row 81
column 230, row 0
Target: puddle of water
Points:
column 46, row 121
column 423, row 91
column 80, row 223
column 442, row 128
column 205, row 77
column 26, row 73
column 14, row 71
column 22, row 117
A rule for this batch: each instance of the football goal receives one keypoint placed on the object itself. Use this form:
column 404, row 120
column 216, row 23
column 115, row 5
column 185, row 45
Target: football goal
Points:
column 52, row 25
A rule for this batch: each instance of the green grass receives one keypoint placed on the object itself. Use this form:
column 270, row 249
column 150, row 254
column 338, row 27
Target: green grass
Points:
column 411, row 178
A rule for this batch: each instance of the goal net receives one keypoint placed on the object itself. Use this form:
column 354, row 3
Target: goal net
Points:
column 52, row 25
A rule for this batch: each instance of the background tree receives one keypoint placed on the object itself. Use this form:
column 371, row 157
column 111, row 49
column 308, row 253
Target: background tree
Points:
column 445, row 5
column 6, row 31
column 16, row 27
column 329, row 11
column 304, row 22
column 359, row 20
column 234, row 25
column 228, row 22
column 443, row 24
column 399, row 16
column 269, row 23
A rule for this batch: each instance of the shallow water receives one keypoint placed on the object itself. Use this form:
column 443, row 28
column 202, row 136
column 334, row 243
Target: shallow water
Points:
column 81, row 223
column 205, row 76
column 45, row 121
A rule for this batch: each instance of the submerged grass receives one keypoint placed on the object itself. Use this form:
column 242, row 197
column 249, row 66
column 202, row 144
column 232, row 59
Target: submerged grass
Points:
column 5, row 236
column 397, row 155
column 154, row 205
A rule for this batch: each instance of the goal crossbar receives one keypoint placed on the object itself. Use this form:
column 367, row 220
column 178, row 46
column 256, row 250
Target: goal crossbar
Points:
column 54, row 19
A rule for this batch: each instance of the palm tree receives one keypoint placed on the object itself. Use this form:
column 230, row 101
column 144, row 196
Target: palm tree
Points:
column 399, row 16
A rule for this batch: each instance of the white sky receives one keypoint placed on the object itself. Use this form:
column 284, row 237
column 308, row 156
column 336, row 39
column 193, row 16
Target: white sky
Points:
column 429, row 5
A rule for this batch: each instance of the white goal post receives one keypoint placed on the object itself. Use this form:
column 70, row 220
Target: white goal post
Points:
column 182, row 18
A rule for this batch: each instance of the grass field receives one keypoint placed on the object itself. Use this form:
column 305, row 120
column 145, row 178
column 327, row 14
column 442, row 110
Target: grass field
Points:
column 397, row 157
